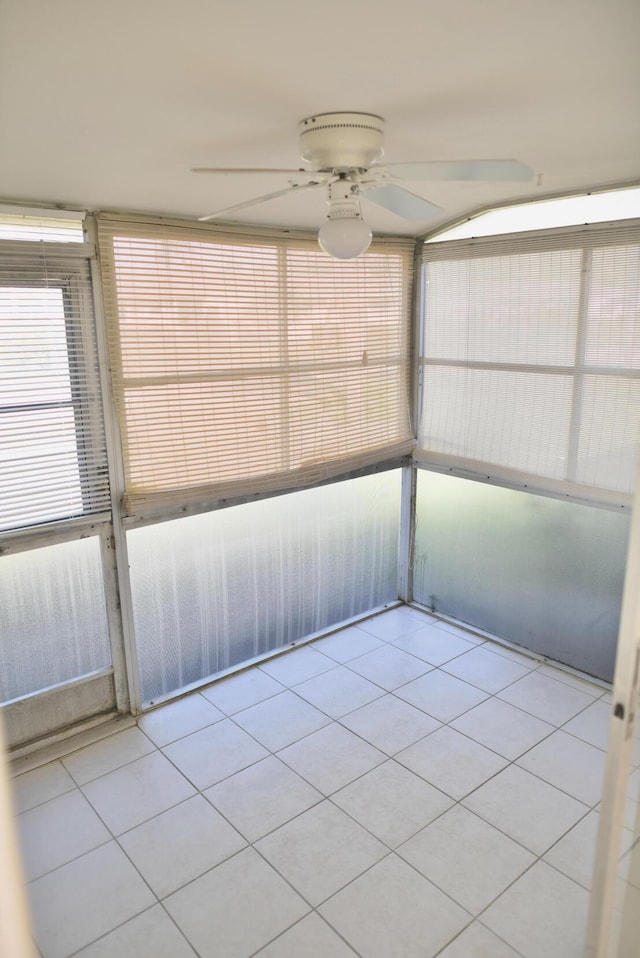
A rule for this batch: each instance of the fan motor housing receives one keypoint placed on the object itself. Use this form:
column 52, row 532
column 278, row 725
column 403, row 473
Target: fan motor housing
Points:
column 341, row 141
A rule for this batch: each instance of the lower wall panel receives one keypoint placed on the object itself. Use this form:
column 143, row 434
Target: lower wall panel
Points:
column 36, row 716
column 215, row 590
column 543, row 573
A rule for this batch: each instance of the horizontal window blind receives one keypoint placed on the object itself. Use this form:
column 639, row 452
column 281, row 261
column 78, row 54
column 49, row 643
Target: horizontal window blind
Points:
column 52, row 447
column 531, row 355
column 244, row 364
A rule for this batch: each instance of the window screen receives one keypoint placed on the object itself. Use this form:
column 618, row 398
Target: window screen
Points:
column 243, row 365
column 530, row 357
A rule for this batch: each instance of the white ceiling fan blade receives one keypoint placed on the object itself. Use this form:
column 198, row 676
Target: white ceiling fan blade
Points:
column 261, row 199
column 402, row 202
column 226, row 170
column 487, row 170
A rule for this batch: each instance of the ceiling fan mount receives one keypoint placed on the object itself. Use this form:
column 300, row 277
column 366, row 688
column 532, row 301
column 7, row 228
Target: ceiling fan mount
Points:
column 341, row 141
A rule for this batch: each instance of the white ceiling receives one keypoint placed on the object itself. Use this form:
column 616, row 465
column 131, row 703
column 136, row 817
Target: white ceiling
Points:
column 108, row 105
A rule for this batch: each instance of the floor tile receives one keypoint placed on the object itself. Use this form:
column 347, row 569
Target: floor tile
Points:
column 339, row 691
column 574, row 853
column 262, row 797
column 394, row 775
column 389, row 667
column 392, row 910
column 391, row 802
column 79, row 902
column 516, row 654
column 570, row 764
column 592, row 724
column 310, row 938
column 281, row 720
column 213, row 910
column 180, row 844
column 476, row 941
column 545, row 698
column 331, row 758
column 575, row 681
column 482, row 668
column 347, row 644
column 433, row 645
column 208, row 756
column 107, row 754
column 467, row 858
column 39, row 785
column 503, row 728
column 467, row 634
column 423, row 615
column 391, row 625
column 543, row 915
column 451, row 762
column 321, row 851
column 177, row 719
column 238, row 692
column 297, row 666
column 136, row 792
column 441, row 695
column 390, row 724
column 57, row 832
column 527, row 809
column 149, row 935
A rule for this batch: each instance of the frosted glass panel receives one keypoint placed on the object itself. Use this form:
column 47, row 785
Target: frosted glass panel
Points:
column 542, row 573
column 214, row 590
column 53, row 621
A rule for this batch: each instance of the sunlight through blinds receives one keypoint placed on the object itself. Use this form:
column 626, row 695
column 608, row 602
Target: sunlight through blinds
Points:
column 244, row 364
column 531, row 355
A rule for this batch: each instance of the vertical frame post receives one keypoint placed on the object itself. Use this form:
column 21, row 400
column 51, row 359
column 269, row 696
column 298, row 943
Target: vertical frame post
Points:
column 619, row 750
column 115, row 553
column 409, row 472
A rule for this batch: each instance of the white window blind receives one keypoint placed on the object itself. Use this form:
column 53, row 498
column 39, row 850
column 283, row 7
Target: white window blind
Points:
column 531, row 356
column 52, row 448
column 244, row 364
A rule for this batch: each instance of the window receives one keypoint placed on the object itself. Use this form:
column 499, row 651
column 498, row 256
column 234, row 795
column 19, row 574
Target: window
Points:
column 531, row 357
column 602, row 207
column 25, row 223
column 243, row 365
column 52, row 449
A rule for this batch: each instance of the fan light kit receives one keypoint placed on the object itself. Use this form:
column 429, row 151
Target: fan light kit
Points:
column 344, row 235
column 342, row 151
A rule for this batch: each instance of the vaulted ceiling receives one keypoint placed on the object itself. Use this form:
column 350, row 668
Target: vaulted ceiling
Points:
column 108, row 105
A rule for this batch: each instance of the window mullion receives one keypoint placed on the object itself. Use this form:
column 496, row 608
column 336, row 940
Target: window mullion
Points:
column 579, row 370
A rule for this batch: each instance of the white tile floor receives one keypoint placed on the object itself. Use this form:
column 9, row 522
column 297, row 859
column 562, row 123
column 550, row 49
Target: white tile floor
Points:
column 401, row 788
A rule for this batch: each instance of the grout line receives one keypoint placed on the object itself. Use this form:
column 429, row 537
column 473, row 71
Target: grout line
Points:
column 386, row 758
column 93, row 941
column 315, row 912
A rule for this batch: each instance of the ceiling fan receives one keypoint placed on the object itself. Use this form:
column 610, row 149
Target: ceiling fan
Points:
column 342, row 151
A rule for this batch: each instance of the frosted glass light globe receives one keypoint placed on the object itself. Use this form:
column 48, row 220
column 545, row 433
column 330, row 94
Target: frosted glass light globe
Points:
column 344, row 237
